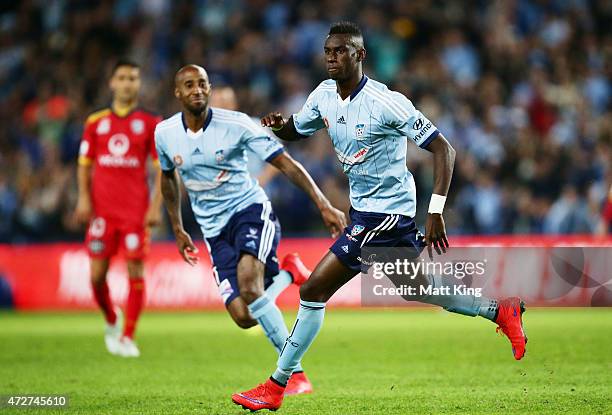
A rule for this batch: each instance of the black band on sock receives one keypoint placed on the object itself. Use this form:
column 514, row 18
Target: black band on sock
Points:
column 297, row 371
column 311, row 307
column 278, row 383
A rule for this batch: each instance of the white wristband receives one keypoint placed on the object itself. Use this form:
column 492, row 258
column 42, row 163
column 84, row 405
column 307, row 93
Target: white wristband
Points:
column 436, row 204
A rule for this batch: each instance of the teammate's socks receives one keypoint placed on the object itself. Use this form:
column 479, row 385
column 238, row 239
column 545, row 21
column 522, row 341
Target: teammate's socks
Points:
column 134, row 306
column 307, row 325
column 280, row 281
column 102, row 297
column 468, row 305
column 488, row 308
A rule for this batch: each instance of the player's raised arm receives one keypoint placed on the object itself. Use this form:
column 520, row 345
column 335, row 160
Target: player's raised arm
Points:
column 172, row 199
column 334, row 219
column 444, row 161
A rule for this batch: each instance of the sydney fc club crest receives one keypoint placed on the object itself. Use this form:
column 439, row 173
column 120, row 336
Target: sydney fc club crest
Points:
column 357, row 229
column 359, row 131
column 219, row 157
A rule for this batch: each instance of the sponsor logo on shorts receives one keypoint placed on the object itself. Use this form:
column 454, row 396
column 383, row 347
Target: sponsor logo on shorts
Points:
column 96, row 246
column 132, row 241
column 251, row 244
column 97, row 227
column 370, row 261
column 345, row 248
column 351, row 238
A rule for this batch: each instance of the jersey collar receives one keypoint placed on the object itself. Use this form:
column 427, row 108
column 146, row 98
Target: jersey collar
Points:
column 360, row 86
column 123, row 112
column 357, row 90
column 206, row 123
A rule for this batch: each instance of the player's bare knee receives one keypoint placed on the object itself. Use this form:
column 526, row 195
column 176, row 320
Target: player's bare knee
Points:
column 245, row 322
column 243, row 318
column 250, row 293
column 98, row 279
column 98, row 276
column 311, row 292
column 135, row 268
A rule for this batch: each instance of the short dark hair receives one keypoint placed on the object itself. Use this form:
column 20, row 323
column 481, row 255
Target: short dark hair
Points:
column 345, row 28
column 124, row 62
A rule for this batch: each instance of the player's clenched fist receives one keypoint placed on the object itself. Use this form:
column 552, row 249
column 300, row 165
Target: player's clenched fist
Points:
column 273, row 120
column 186, row 247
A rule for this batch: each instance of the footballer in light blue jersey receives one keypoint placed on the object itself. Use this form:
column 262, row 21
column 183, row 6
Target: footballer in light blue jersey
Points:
column 206, row 148
column 368, row 131
column 213, row 163
column 369, row 126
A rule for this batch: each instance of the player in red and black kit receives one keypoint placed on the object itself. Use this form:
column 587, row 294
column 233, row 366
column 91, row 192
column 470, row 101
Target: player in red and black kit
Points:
column 114, row 199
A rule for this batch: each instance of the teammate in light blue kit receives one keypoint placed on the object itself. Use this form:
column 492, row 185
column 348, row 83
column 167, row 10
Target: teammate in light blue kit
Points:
column 206, row 147
column 369, row 126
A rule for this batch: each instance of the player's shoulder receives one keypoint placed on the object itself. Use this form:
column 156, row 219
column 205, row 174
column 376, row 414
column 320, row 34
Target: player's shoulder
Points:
column 220, row 114
column 327, row 86
column 378, row 92
column 170, row 123
column 232, row 118
column 97, row 115
column 374, row 87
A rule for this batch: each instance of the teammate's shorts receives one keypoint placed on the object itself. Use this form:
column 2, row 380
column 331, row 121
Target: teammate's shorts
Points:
column 105, row 237
column 254, row 230
column 373, row 230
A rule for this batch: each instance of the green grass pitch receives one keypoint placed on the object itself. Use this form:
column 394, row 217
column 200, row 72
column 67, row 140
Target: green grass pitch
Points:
column 363, row 362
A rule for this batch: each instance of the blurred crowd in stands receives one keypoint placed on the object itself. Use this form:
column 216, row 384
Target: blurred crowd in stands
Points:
column 521, row 88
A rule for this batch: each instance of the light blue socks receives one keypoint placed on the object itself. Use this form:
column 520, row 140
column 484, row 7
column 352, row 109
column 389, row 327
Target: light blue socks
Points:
column 269, row 317
column 468, row 305
column 280, row 281
column 307, row 325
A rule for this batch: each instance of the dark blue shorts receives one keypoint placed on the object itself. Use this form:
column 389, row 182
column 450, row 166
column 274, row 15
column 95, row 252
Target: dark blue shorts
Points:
column 368, row 229
column 255, row 231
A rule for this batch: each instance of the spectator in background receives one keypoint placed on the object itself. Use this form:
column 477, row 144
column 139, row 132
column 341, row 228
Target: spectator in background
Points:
column 522, row 88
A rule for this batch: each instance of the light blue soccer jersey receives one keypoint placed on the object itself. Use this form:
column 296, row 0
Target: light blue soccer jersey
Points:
column 368, row 130
column 213, row 164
